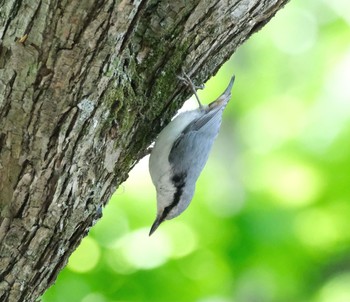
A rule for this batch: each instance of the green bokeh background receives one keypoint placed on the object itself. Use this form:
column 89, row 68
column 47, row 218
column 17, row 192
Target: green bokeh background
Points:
column 270, row 217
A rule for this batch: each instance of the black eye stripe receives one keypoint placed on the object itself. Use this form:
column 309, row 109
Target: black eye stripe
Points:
column 179, row 182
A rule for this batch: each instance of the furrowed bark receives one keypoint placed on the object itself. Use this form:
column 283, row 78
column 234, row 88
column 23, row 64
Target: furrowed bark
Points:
column 85, row 86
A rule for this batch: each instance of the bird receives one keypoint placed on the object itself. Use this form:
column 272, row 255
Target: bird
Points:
column 181, row 151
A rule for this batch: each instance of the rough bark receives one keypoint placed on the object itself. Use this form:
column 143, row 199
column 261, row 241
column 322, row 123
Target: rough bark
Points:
column 85, row 86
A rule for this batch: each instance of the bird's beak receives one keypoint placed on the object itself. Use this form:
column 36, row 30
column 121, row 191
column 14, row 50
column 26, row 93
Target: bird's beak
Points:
column 155, row 225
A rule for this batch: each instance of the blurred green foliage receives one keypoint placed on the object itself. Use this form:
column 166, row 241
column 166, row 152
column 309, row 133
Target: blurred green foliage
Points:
column 270, row 217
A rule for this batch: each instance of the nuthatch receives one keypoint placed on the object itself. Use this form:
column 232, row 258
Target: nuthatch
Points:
column 181, row 152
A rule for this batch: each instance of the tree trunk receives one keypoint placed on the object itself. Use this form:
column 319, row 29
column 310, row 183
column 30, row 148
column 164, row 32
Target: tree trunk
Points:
column 85, row 86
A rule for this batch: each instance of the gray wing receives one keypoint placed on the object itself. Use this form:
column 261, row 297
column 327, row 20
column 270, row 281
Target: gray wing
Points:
column 208, row 119
column 213, row 112
column 190, row 151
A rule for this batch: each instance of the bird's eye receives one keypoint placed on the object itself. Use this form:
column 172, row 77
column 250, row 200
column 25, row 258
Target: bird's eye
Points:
column 179, row 179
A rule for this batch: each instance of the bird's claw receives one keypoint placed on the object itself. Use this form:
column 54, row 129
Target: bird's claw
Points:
column 186, row 79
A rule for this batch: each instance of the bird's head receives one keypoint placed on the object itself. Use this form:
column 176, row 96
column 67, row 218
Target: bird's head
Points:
column 171, row 204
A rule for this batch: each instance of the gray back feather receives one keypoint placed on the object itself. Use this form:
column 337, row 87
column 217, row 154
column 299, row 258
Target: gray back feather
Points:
column 190, row 151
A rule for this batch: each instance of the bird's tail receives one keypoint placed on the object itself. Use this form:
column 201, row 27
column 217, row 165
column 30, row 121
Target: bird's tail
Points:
column 223, row 99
